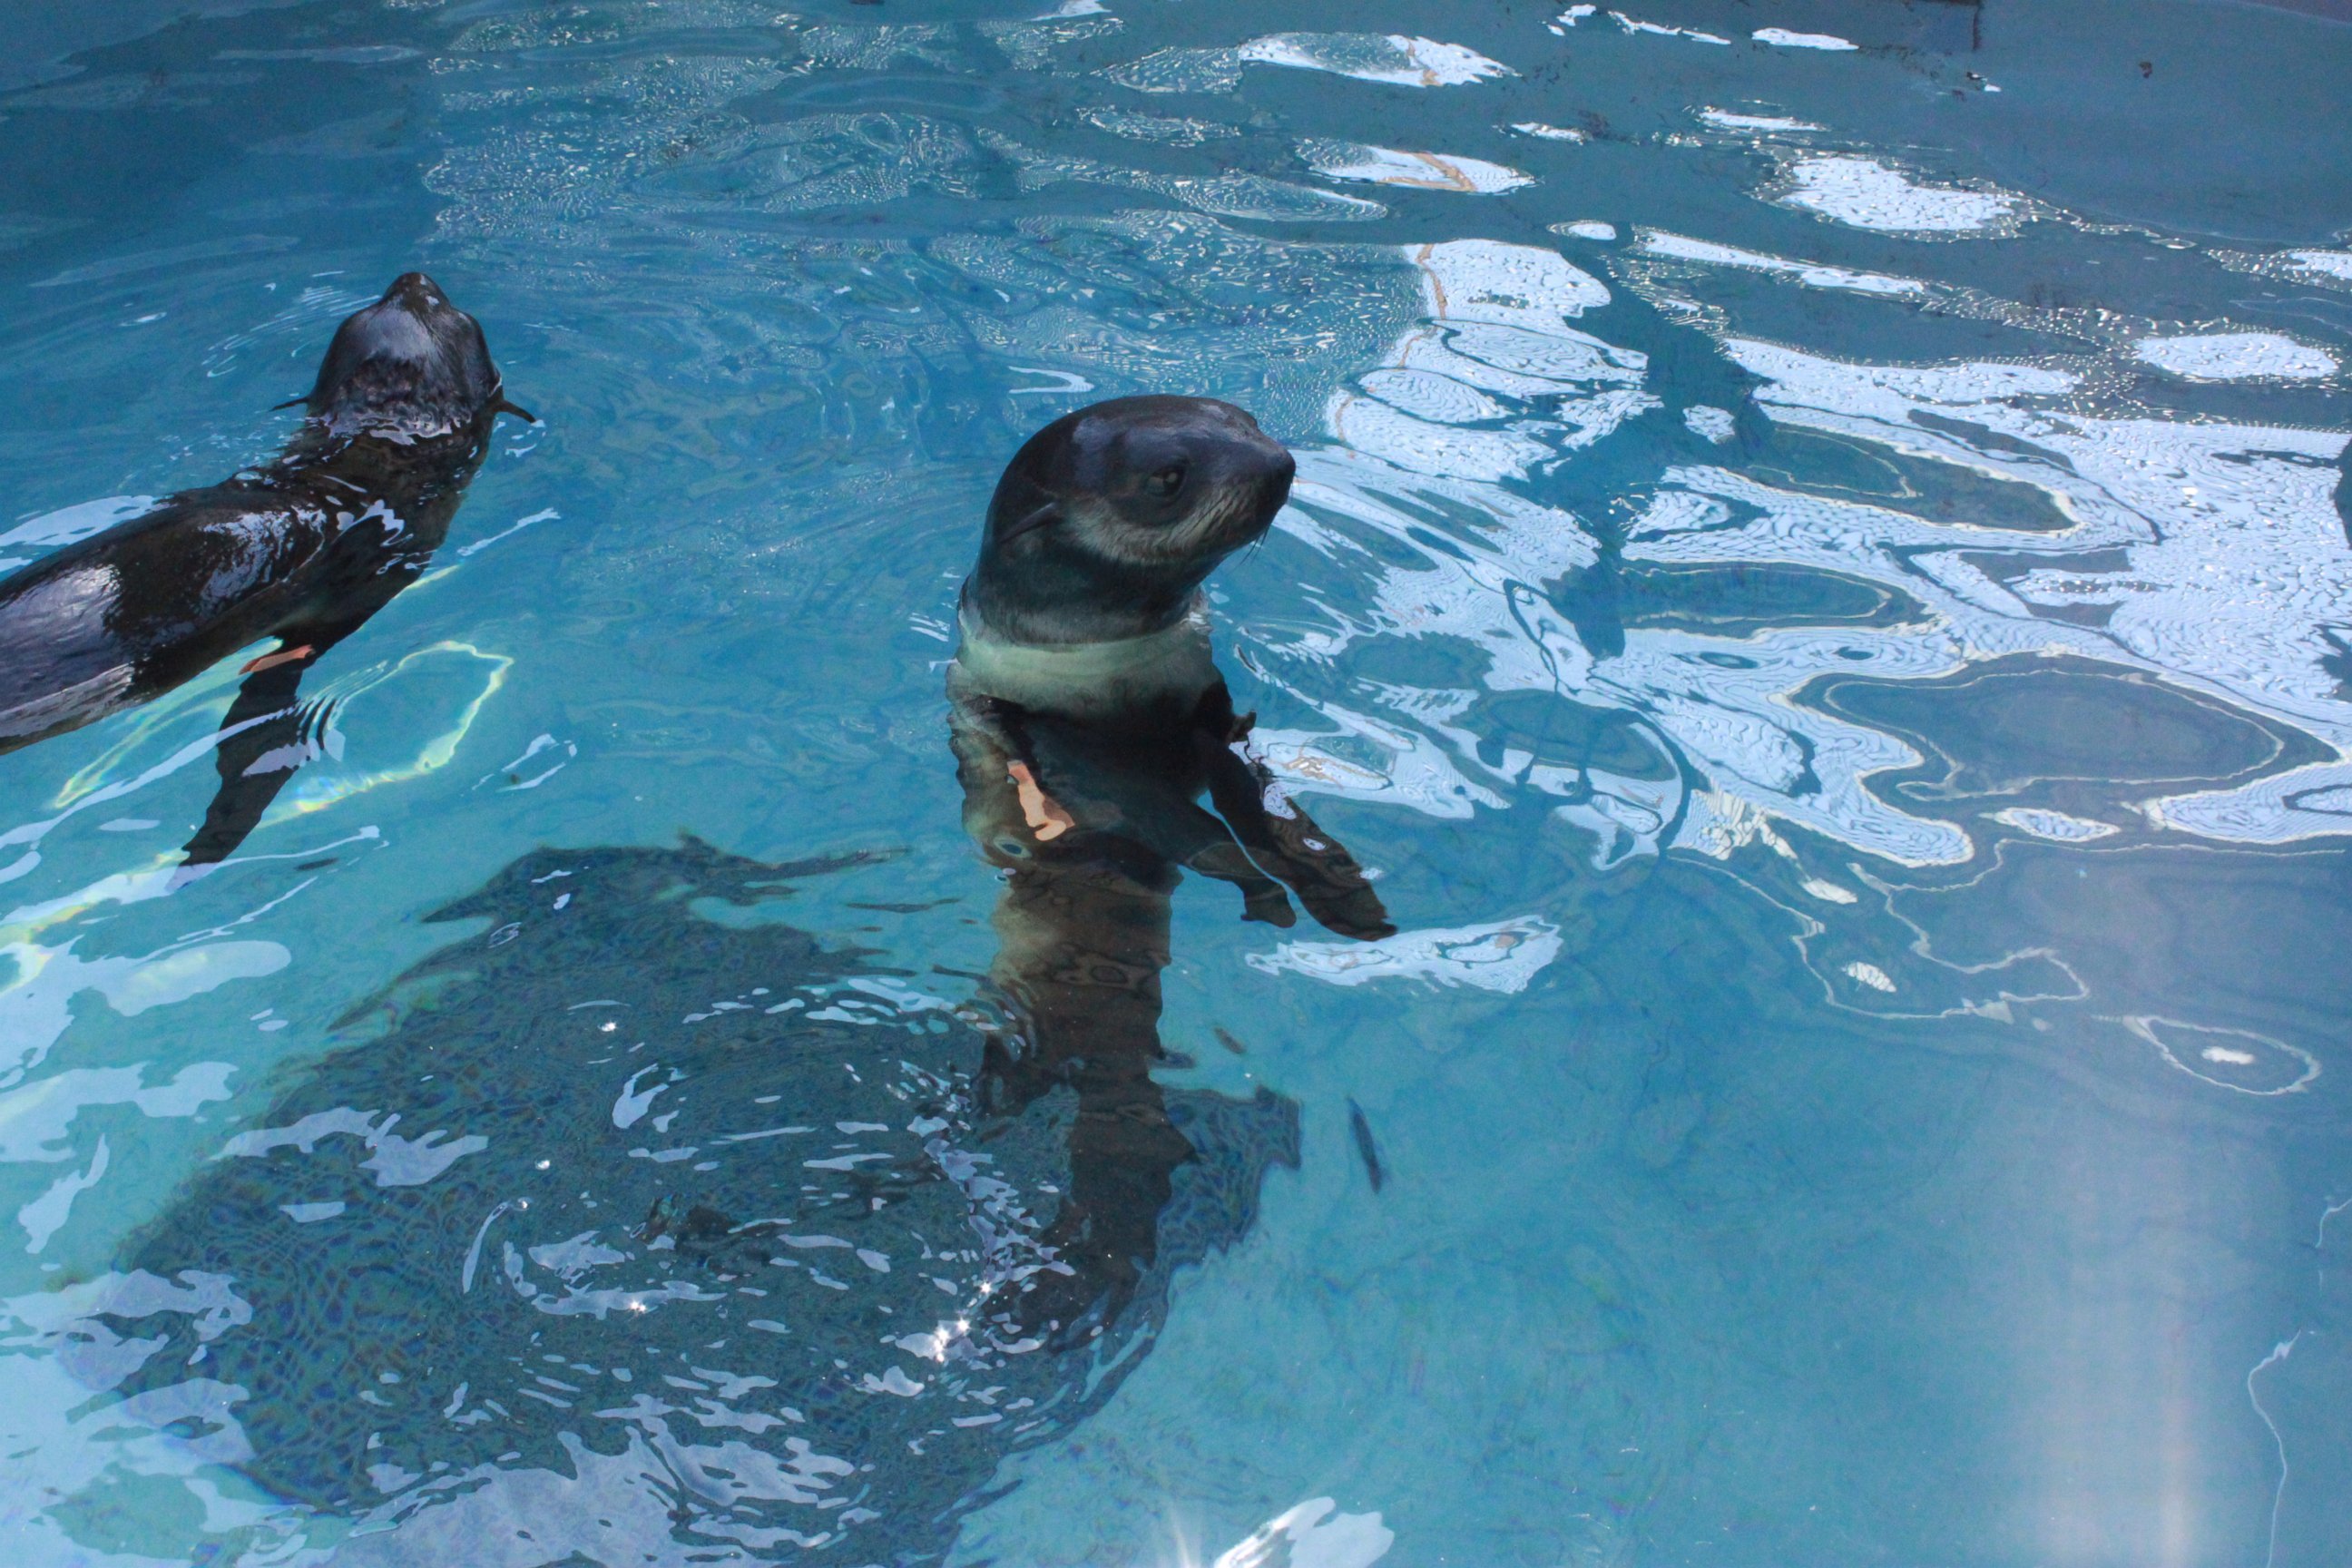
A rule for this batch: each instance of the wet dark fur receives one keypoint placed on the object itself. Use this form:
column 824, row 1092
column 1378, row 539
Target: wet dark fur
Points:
column 1083, row 927
column 304, row 549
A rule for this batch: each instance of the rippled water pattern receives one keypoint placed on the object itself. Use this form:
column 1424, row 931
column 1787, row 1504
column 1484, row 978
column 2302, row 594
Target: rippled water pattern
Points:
column 1818, row 584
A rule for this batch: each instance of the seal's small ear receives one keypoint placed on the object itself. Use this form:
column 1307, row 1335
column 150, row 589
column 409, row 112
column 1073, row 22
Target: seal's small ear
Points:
column 1044, row 517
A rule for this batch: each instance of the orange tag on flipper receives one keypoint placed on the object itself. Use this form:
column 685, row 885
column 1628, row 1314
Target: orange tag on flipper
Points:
column 271, row 660
column 1043, row 814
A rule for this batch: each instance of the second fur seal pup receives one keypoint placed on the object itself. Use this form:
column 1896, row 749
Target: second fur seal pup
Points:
column 305, row 549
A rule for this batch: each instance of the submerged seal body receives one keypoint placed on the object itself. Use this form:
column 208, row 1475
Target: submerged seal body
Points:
column 305, row 549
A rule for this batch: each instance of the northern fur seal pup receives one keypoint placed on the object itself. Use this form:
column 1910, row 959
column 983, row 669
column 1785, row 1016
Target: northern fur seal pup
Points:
column 1086, row 598
column 1088, row 719
column 305, row 549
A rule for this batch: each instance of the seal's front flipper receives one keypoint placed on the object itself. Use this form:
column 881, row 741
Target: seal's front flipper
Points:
column 1047, row 817
column 265, row 737
column 267, row 734
column 1288, row 844
column 1184, row 832
column 1262, row 897
column 294, row 655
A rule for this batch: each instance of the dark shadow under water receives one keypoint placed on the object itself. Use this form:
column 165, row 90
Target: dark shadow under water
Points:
column 644, row 1227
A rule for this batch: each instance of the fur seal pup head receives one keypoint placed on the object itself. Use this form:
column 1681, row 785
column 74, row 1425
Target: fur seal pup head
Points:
column 1107, row 521
column 410, row 364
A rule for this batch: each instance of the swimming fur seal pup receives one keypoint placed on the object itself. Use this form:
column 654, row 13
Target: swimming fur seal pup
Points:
column 304, row 549
column 1088, row 719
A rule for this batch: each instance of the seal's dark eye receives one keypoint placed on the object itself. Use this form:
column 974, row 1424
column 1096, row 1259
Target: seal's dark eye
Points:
column 1166, row 482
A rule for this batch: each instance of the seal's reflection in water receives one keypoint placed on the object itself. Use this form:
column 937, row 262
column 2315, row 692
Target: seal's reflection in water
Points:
column 1088, row 719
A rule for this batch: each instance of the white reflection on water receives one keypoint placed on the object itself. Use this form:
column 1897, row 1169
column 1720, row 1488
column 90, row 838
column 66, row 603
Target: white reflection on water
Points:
column 1417, row 171
column 1786, row 40
column 2216, row 547
column 1314, row 1534
column 1502, row 957
column 2233, row 555
column 1657, row 243
column 1660, row 29
column 1393, row 58
column 2237, row 356
column 1867, row 193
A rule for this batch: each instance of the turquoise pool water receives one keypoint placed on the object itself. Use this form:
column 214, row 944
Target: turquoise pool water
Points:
column 1818, row 583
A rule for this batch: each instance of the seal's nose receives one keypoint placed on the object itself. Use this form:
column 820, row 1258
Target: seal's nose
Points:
column 1274, row 489
column 1265, row 462
column 416, row 293
column 1253, row 474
